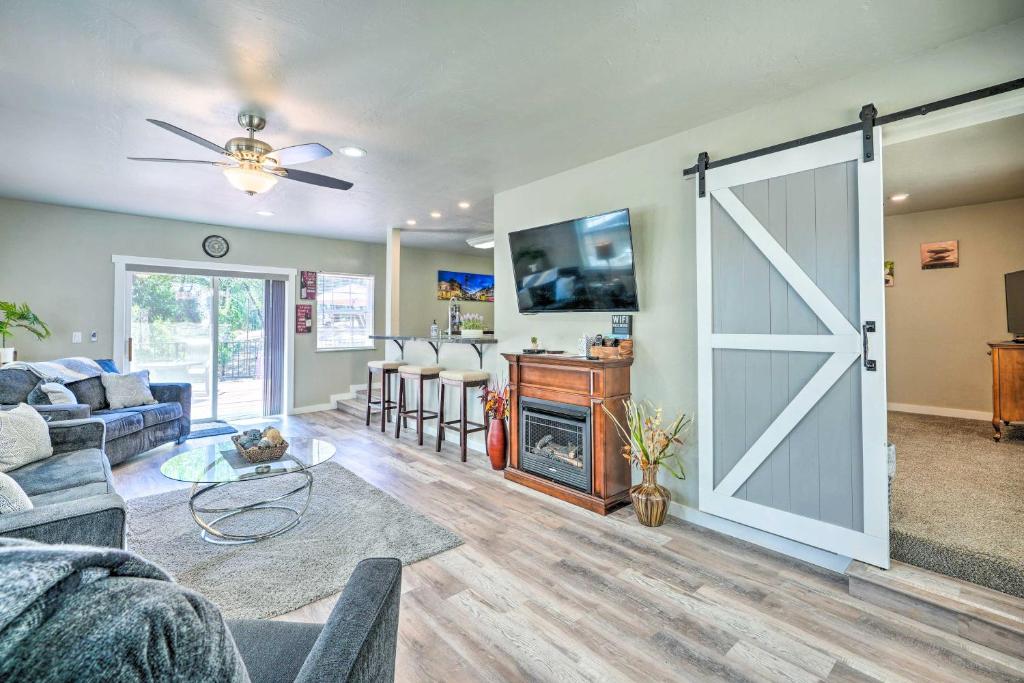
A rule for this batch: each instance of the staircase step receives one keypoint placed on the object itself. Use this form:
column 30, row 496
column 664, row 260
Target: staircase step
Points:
column 353, row 406
column 979, row 614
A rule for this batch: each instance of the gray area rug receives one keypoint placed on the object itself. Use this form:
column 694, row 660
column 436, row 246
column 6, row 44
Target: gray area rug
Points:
column 348, row 520
column 204, row 429
column 958, row 499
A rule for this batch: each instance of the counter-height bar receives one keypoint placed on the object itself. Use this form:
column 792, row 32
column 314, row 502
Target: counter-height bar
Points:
column 478, row 343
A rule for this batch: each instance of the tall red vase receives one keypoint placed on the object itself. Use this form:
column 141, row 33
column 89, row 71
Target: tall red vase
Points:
column 496, row 443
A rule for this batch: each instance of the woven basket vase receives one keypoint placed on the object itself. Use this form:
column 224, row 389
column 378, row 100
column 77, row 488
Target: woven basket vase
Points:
column 257, row 454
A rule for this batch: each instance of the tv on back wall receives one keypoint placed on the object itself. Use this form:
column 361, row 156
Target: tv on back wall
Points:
column 585, row 264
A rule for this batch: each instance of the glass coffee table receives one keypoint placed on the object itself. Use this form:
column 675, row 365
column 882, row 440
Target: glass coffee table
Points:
column 218, row 465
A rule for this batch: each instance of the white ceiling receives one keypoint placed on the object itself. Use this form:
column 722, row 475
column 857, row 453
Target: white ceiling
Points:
column 972, row 165
column 453, row 99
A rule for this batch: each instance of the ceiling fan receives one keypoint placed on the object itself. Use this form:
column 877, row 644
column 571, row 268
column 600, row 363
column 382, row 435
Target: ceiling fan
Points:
column 255, row 166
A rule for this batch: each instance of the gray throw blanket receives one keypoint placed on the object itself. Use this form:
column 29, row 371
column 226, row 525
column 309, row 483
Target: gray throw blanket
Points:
column 76, row 613
column 66, row 369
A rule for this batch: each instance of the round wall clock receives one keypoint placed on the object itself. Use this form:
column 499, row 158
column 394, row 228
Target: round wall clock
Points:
column 215, row 246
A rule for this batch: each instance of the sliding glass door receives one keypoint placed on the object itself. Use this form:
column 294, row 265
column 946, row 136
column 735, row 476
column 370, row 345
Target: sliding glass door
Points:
column 240, row 344
column 208, row 331
column 172, row 325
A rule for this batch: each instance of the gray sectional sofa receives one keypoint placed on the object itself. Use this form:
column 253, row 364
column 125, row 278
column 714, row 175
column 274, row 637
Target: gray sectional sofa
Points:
column 72, row 491
column 130, row 431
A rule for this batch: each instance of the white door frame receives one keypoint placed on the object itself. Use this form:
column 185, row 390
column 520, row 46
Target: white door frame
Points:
column 122, row 304
column 844, row 343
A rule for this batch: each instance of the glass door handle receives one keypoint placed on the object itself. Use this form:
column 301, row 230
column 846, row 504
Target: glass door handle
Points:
column 129, row 349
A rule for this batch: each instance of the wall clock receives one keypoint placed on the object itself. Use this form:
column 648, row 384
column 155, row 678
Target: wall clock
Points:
column 215, row 246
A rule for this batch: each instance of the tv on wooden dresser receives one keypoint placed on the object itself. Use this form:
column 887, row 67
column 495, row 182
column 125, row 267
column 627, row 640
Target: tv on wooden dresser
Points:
column 562, row 442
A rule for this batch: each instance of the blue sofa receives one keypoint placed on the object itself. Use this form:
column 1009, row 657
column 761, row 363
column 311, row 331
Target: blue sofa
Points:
column 72, row 491
column 130, row 431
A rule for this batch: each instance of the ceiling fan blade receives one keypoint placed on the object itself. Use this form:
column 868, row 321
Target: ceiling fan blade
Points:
column 300, row 154
column 189, row 136
column 181, row 161
column 311, row 178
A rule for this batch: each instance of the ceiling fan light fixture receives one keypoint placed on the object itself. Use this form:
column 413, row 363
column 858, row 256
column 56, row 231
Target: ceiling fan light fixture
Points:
column 250, row 178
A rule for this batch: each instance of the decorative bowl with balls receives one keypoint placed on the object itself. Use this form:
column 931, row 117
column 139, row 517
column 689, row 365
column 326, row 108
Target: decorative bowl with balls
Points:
column 260, row 446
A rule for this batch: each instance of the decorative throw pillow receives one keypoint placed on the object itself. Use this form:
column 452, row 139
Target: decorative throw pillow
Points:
column 38, row 397
column 12, row 497
column 59, row 394
column 127, row 391
column 24, row 437
column 51, row 391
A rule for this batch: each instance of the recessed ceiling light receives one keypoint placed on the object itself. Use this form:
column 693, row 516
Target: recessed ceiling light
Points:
column 899, row 197
column 264, row 213
column 463, row 205
column 435, row 214
column 481, row 242
column 410, row 222
column 355, row 152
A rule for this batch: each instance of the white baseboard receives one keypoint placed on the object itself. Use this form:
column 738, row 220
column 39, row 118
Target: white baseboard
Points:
column 315, row 408
column 941, row 411
column 800, row 551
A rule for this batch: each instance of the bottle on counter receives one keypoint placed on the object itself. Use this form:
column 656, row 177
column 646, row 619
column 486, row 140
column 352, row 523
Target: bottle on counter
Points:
column 434, row 330
column 454, row 317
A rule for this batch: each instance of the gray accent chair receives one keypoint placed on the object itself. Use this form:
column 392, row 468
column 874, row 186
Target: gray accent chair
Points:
column 356, row 645
column 130, row 431
column 72, row 491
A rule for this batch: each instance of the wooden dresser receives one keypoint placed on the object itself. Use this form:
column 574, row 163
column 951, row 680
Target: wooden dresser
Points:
column 1007, row 384
column 589, row 384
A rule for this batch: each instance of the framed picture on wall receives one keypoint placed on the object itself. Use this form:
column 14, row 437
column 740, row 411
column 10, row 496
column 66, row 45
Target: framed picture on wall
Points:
column 890, row 273
column 464, row 286
column 303, row 318
column 940, row 254
column 307, row 285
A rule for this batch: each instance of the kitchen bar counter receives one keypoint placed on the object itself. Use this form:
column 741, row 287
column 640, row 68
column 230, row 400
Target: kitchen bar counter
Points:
column 478, row 343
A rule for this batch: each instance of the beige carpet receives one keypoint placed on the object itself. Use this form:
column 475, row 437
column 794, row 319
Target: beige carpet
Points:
column 957, row 502
column 348, row 520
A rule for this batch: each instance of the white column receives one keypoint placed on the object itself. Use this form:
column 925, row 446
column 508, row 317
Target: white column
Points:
column 394, row 268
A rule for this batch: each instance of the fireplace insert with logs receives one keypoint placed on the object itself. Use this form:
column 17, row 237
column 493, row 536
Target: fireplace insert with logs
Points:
column 554, row 442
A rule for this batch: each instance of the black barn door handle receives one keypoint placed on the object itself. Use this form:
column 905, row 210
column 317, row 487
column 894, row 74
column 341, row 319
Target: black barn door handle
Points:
column 868, row 326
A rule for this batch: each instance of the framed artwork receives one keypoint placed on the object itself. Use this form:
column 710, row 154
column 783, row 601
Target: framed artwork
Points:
column 890, row 273
column 464, row 286
column 303, row 318
column 940, row 254
column 307, row 285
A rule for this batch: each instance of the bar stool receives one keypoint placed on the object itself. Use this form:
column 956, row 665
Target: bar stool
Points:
column 421, row 374
column 387, row 370
column 464, row 380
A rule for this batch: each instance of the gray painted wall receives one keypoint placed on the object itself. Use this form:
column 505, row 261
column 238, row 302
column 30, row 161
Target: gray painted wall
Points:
column 418, row 302
column 57, row 259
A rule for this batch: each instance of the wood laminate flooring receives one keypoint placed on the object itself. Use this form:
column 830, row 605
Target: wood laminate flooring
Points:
column 544, row 591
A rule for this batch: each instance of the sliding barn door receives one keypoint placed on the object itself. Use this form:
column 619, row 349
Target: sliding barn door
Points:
column 792, row 419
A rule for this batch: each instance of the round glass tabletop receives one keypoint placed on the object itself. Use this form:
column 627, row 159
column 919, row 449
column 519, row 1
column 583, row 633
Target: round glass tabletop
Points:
column 220, row 462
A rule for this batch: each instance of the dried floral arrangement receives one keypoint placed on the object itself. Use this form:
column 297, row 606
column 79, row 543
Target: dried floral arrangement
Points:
column 650, row 442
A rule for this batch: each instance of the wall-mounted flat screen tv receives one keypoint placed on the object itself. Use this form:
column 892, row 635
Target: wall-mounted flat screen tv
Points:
column 584, row 264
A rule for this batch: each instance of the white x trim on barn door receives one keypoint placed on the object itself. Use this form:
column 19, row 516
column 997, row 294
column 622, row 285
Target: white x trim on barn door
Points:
column 842, row 343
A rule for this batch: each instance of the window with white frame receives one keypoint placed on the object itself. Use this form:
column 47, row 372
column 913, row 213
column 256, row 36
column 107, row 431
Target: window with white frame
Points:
column 344, row 311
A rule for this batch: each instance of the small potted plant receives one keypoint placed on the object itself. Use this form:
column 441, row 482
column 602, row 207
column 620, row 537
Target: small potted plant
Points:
column 15, row 316
column 496, row 410
column 472, row 325
column 534, row 343
column 650, row 445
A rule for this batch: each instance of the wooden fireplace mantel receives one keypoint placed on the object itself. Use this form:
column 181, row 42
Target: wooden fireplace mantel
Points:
column 594, row 384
